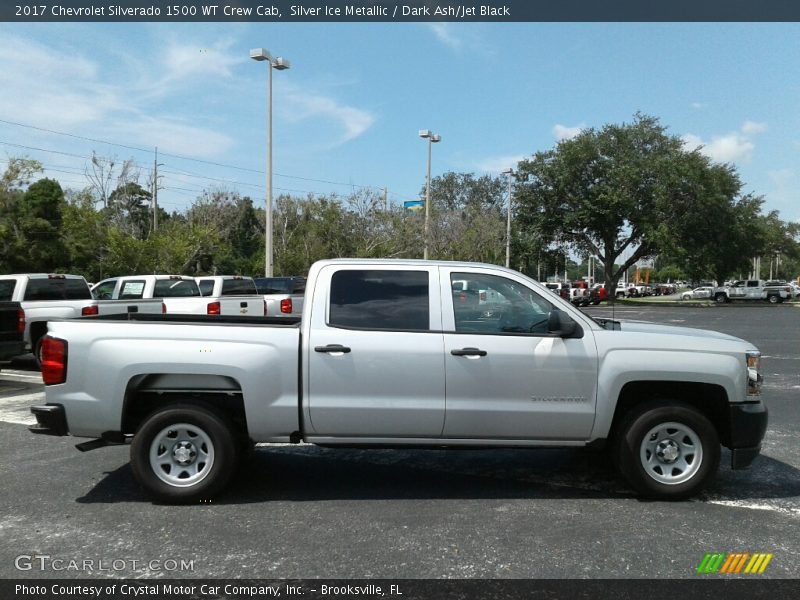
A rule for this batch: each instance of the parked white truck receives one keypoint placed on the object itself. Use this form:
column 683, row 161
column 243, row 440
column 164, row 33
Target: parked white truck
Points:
column 753, row 289
column 283, row 295
column 179, row 293
column 386, row 356
column 47, row 296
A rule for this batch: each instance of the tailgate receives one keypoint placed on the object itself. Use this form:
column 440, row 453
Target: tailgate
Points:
column 250, row 306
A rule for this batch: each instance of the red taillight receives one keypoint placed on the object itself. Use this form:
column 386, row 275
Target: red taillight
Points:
column 213, row 308
column 54, row 360
column 88, row 311
column 20, row 320
column 286, row 306
column 462, row 297
column 163, row 308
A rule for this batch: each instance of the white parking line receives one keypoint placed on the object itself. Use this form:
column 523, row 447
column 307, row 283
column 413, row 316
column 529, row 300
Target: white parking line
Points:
column 16, row 409
column 784, row 510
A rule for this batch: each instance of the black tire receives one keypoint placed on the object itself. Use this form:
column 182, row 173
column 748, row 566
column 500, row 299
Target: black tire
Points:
column 720, row 298
column 197, row 433
column 774, row 299
column 37, row 351
column 679, row 428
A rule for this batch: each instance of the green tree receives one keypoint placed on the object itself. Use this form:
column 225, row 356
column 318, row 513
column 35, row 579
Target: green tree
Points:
column 467, row 218
column 621, row 193
column 40, row 246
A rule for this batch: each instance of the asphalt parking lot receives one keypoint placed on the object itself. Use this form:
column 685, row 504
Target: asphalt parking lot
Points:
column 307, row 512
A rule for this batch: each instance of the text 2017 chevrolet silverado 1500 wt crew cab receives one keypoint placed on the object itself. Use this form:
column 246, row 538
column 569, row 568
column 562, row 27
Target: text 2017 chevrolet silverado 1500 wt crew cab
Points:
column 386, row 356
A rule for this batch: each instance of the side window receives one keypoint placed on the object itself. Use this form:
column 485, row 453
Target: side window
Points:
column 206, row 287
column 132, row 290
column 175, row 288
column 7, row 289
column 104, row 290
column 375, row 299
column 496, row 305
column 235, row 287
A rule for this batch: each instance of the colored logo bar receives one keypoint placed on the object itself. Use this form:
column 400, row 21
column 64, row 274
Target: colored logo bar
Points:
column 734, row 563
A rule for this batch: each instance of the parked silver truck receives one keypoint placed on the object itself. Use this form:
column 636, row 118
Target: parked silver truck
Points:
column 386, row 355
column 753, row 289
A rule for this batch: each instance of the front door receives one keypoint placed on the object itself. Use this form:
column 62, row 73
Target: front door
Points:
column 506, row 377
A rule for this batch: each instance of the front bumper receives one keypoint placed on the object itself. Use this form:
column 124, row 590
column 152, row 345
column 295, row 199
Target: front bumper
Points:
column 50, row 420
column 748, row 423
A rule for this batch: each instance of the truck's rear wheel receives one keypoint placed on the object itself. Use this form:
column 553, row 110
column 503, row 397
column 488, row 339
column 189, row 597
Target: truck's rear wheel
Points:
column 720, row 298
column 184, row 453
column 667, row 451
column 774, row 299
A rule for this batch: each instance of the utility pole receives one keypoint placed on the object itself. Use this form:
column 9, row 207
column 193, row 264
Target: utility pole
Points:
column 155, row 192
column 386, row 198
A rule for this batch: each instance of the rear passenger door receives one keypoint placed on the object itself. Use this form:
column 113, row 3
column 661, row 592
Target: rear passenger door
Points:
column 375, row 359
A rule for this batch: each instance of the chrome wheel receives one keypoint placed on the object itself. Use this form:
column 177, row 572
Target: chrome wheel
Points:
column 671, row 453
column 181, row 455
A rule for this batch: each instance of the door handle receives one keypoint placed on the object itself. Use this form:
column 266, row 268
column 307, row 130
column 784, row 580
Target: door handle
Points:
column 468, row 352
column 331, row 348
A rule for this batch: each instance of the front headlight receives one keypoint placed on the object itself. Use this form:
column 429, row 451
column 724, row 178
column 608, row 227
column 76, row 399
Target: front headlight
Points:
column 754, row 377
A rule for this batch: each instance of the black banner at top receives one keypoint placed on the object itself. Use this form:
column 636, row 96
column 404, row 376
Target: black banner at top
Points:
column 333, row 11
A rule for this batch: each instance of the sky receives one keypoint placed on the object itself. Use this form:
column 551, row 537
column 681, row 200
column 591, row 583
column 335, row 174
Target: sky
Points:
column 346, row 115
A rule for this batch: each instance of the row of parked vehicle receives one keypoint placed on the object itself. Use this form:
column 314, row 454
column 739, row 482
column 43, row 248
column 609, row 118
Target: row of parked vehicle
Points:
column 36, row 298
column 774, row 291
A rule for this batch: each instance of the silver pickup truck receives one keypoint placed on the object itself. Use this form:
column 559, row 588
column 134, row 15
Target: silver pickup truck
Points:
column 390, row 354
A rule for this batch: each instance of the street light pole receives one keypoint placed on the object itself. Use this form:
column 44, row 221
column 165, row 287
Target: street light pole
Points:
column 510, row 173
column 432, row 139
column 280, row 63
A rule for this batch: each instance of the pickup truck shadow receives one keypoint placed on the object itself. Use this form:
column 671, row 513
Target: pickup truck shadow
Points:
column 300, row 474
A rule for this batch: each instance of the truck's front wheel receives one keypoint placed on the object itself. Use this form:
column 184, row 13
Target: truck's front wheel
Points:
column 183, row 453
column 668, row 450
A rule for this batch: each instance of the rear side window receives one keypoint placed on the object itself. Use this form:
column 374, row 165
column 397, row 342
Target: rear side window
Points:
column 57, row 289
column 7, row 289
column 238, row 287
column 394, row 300
column 132, row 290
column 206, row 287
column 175, row 288
column 272, row 286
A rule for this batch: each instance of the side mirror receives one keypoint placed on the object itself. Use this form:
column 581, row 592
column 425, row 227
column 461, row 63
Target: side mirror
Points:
column 560, row 324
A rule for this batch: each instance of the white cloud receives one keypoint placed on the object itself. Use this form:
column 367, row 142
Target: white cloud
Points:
column 498, row 164
column 307, row 106
column 730, row 148
column 562, row 132
column 698, row 105
column 691, row 141
column 186, row 60
column 753, row 128
column 444, row 33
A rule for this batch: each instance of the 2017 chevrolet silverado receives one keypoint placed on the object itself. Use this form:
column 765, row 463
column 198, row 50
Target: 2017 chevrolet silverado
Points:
column 385, row 355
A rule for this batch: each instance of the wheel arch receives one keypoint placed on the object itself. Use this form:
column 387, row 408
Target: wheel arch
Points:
column 709, row 399
column 146, row 394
